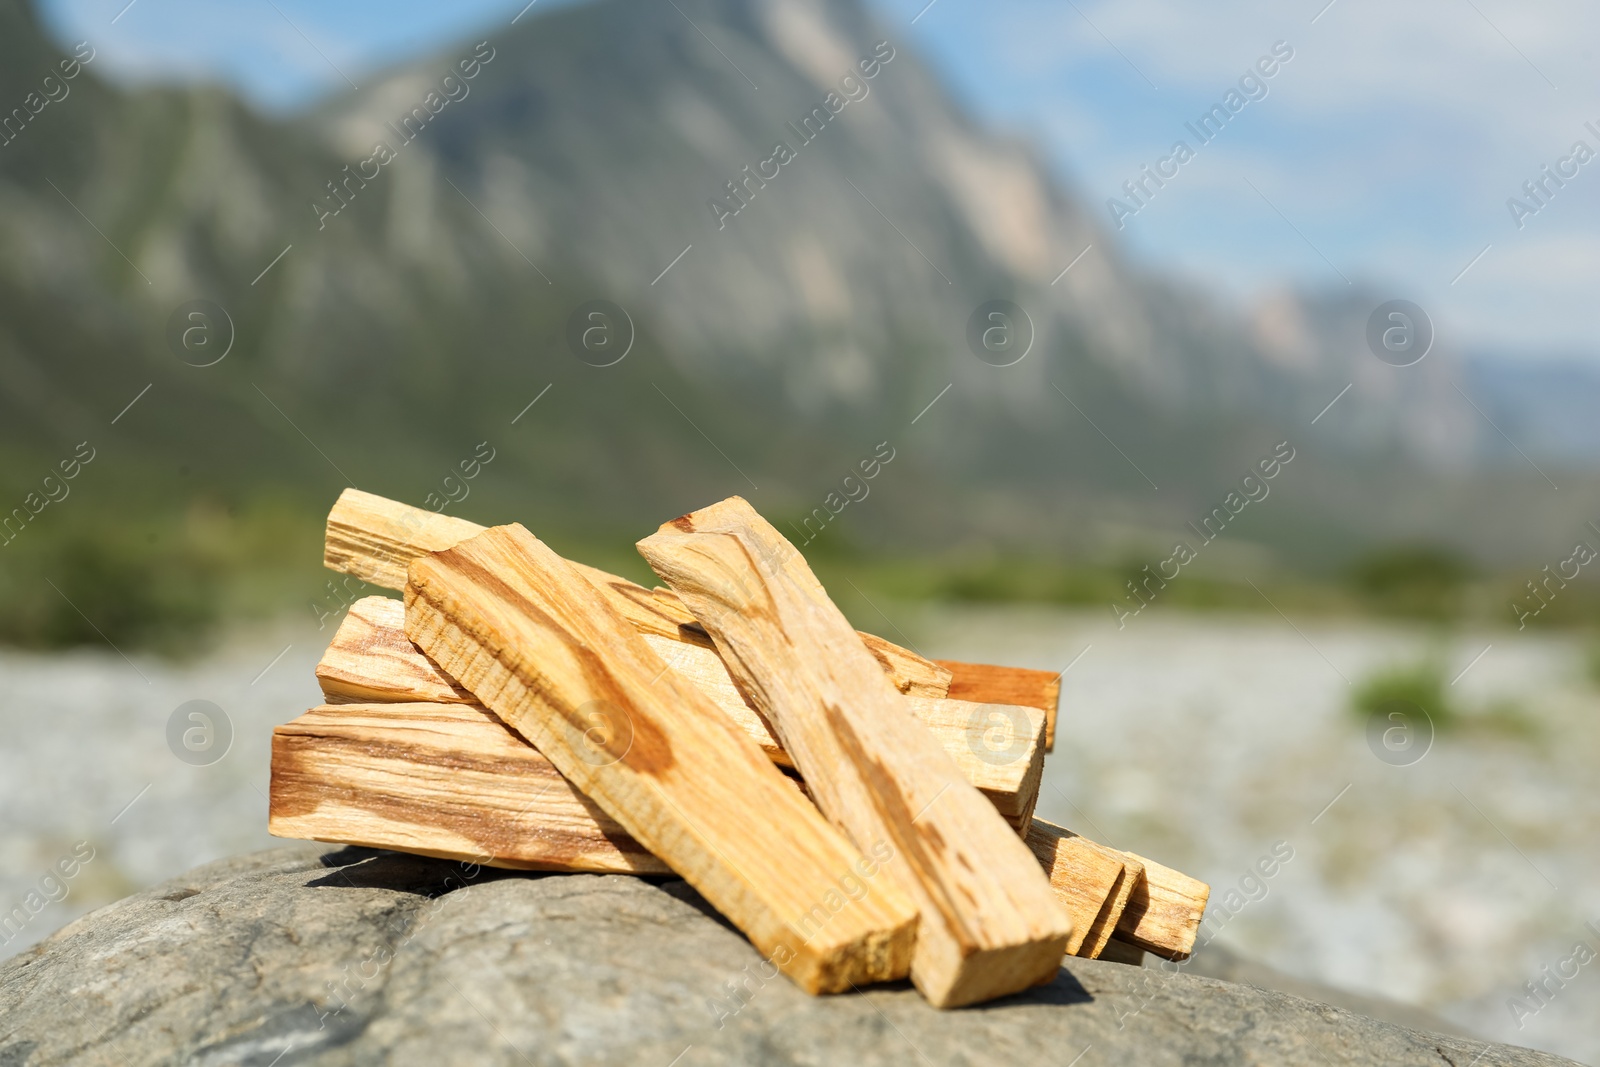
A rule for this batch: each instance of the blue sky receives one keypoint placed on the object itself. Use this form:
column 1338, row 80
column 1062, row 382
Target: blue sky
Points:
column 1384, row 151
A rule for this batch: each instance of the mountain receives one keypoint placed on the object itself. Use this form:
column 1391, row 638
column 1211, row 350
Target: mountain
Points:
column 607, row 140
column 1545, row 403
column 799, row 250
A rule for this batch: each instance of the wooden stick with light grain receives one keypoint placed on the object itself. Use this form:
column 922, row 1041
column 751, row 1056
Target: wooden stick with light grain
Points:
column 1093, row 882
column 446, row 780
column 375, row 539
column 990, row 924
column 519, row 628
column 370, row 660
column 1164, row 917
column 989, row 684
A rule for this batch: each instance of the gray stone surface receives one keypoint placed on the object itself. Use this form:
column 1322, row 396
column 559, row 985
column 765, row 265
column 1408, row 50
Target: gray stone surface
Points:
column 1218, row 961
column 322, row 955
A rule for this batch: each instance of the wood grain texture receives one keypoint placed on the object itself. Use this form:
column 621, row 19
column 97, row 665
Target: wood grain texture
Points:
column 1084, row 876
column 911, row 674
column 448, row 780
column 1105, row 924
column 1164, row 917
column 375, row 539
column 988, row 684
column 534, row 641
column 990, row 923
column 370, row 659
column 999, row 748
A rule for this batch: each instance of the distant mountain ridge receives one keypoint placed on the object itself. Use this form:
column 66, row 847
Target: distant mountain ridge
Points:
column 884, row 226
column 391, row 313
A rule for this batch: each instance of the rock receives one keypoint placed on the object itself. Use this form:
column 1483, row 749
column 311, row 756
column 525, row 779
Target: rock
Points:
column 1218, row 961
column 312, row 954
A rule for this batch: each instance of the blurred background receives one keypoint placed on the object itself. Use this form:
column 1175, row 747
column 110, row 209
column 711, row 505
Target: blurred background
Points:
column 1236, row 360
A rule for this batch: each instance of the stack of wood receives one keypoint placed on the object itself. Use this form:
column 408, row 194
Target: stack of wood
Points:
column 861, row 813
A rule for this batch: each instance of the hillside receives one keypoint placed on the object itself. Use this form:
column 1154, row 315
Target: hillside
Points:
column 383, row 333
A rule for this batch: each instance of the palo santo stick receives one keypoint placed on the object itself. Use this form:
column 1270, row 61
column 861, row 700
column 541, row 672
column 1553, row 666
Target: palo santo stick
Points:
column 1094, row 883
column 1158, row 910
column 375, row 539
column 371, row 660
column 988, row 684
column 1084, row 875
column 990, row 924
column 1164, row 917
column 525, row 633
column 998, row 748
column 912, row 675
column 446, row 780
column 1105, row 926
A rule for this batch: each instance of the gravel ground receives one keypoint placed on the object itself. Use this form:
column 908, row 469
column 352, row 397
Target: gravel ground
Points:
column 86, row 765
column 1201, row 741
column 1204, row 741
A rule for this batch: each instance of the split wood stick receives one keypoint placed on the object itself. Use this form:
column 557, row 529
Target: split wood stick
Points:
column 447, row 780
column 523, row 631
column 375, row 539
column 1084, row 875
column 1078, row 869
column 990, row 924
column 988, row 684
column 1164, row 917
column 998, row 748
column 1105, row 928
column 370, row 659
column 912, row 674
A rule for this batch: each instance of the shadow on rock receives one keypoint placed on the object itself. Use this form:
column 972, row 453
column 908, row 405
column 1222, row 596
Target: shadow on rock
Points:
column 370, row 868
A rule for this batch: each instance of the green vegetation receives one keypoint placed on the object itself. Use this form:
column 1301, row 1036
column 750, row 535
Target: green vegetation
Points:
column 154, row 581
column 1420, row 684
column 1032, row 580
column 1423, row 685
column 1412, row 581
column 1594, row 662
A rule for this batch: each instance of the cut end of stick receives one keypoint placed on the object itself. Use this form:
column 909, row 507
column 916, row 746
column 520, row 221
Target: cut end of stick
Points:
column 991, row 973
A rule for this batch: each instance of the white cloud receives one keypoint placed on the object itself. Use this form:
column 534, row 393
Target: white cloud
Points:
column 1392, row 139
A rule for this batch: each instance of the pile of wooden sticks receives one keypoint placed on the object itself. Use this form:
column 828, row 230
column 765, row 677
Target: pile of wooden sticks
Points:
column 861, row 813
